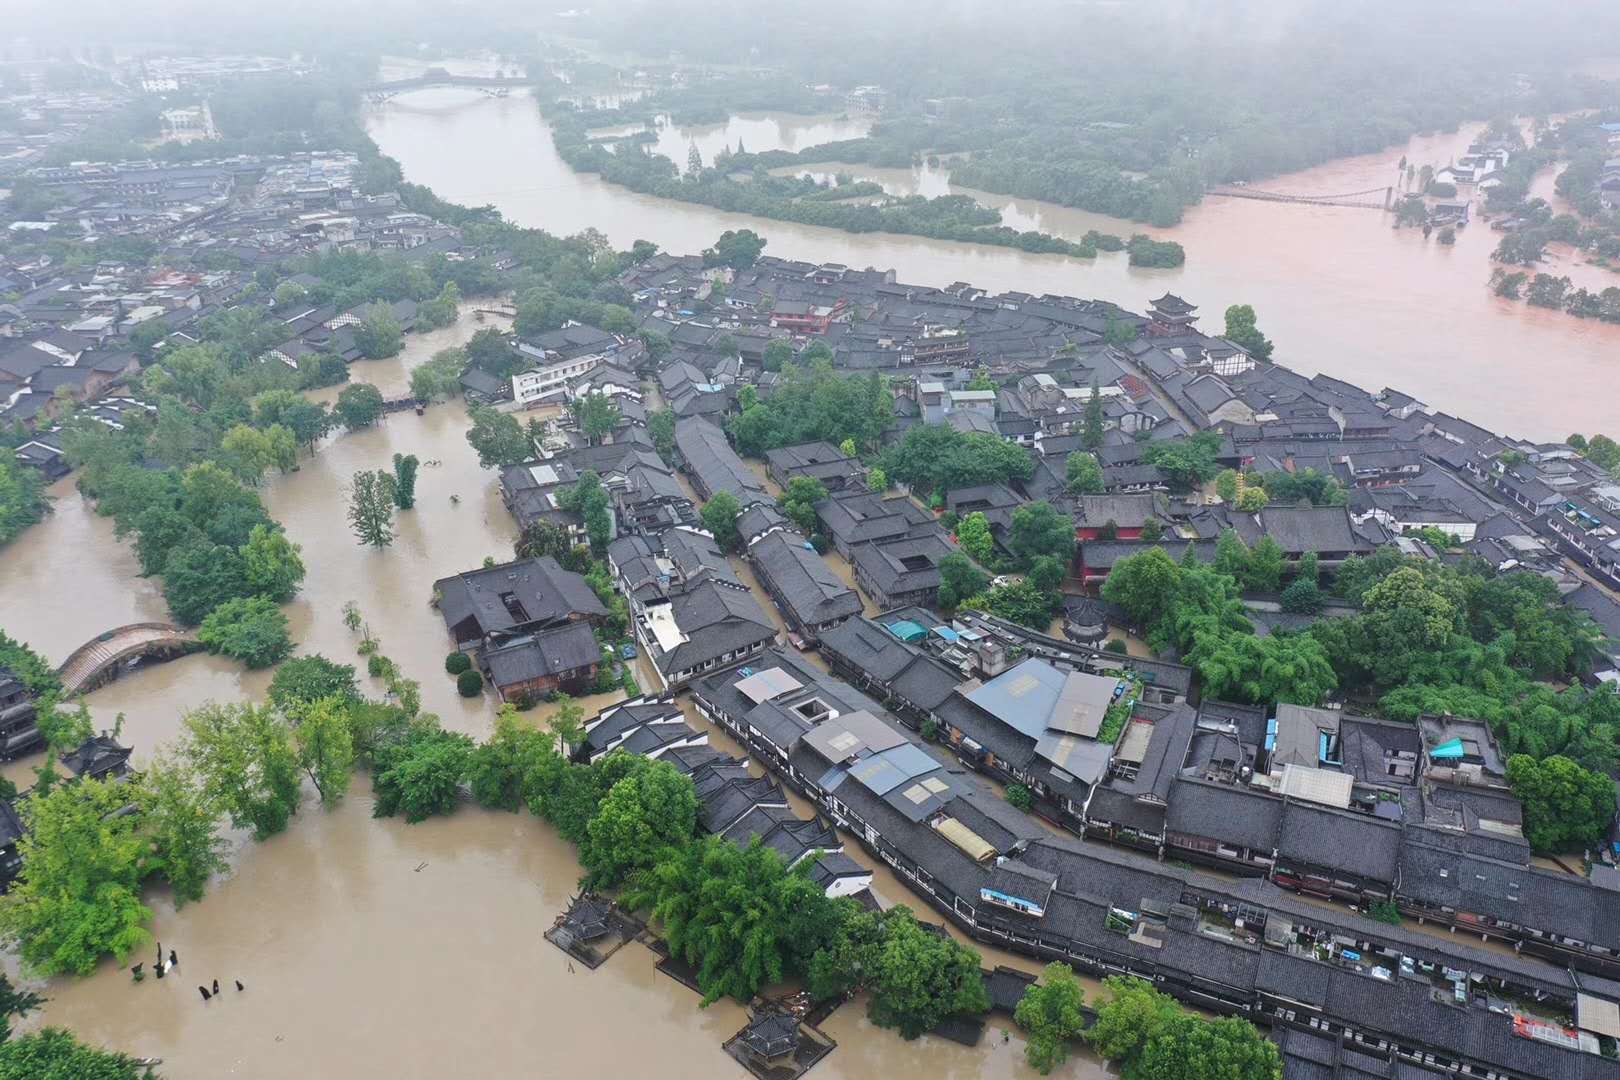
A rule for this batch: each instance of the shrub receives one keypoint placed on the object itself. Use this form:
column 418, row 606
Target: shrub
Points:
column 930, row 729
column 1019, row 796
column 1116, row 646
column 1384, row 911
column 252, row 630
column 457, row 662
column 469, row 683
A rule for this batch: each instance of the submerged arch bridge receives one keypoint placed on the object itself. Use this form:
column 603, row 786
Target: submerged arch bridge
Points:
column 1378, row 198
column 489, row 85
column 101, row 659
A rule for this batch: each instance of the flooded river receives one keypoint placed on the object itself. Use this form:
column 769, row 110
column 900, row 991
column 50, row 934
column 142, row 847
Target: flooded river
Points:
column 1336, row 288
column 373, row 948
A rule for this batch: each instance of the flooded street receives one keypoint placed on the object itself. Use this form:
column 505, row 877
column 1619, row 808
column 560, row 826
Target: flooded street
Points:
column 356, row 962
column 1335, row 287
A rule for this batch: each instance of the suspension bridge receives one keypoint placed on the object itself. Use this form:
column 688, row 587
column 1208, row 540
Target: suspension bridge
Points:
column 1379, row 198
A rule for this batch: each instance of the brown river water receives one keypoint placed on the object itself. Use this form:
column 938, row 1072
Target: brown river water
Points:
column 373, row 948
column 1336, row 288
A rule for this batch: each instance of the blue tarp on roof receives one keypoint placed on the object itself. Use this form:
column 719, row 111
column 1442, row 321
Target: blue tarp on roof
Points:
column 1452, row 749
column 906, row 630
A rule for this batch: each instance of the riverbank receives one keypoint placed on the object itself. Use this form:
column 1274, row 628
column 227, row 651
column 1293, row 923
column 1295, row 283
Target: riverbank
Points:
column 1338, row 291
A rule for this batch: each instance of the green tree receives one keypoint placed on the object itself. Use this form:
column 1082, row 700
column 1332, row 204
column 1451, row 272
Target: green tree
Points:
column 359, row 405
column 146, row 337
column 719, row 516
column 421, row 774
column 1130, row 1016
column 973, row 533
column 661, row 429
column 441, row 310
column 308, row 421
column 877, row 480
column 778, row 354
column 1265, row 569
column 371, row 507
column 1242, row 332
column 14, row 1003
column 1186, row 463
column 1082, row 473
column 305, row 679
column 22, row 498
column 1038, row 528
column 54, row 1054
column 77, row 896
column 181, row 824
column 1091, row 427
column 1307, row 485
column 958, row 580
column 245, row 758
column 405, row 466
column 1144, row 585
column 1046, row 574
column 595, row 414
column 1303, row 596
column 497, row 437
column 199, row 576
column 589, row 499
column 916, row 979
column 645, row 818
column 440, row 377
column 250, row 629
column 1566, row 807
column 1192, row 1048
column 248, row 452
column 272, row 564
column 738, row 249
column 1049, row 1012
column 507, row 769
column 1231, row 555
column 288, row 294
column 30, row 668
column 324, row 743
column 1020, row 602
column 378, row 335
column 735, row 914
column 798, row 501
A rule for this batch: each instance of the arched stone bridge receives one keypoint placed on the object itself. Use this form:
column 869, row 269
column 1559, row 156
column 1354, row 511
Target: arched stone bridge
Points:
column 492, row 85
column 100, row 659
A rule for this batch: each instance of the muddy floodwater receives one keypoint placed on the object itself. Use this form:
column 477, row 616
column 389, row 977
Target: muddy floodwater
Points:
column 373, row 948
column 1336, row 288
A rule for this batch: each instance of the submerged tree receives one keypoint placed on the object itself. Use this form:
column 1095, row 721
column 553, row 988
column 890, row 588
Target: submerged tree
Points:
column 405, row 466
column 371, row 508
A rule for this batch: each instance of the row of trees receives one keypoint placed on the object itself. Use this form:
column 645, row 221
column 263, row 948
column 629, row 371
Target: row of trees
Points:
column 631, row 163
column 1141, row 1030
